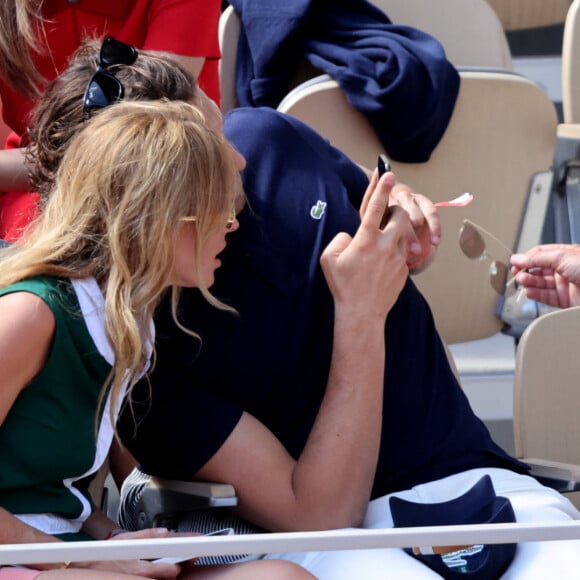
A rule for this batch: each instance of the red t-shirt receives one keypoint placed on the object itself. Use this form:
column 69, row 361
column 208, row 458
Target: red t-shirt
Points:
column 184, row 27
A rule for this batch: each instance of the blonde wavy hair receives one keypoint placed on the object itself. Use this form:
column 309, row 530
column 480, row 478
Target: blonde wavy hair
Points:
column 20, row 22
column 114, row 211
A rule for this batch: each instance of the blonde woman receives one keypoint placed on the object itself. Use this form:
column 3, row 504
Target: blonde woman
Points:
column 141, row 204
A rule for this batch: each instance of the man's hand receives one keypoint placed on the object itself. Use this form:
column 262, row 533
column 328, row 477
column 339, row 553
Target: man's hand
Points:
column 423, row 217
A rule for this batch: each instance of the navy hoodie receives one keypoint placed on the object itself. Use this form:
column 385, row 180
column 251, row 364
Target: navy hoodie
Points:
column 397, row 76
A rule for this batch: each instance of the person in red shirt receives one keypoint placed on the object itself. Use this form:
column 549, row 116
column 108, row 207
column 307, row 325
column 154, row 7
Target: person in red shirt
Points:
column 37, row 37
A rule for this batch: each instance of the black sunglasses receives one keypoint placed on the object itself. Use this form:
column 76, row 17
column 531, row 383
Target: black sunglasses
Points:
column 104, row 88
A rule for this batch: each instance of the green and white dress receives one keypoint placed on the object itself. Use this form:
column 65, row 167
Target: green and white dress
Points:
column 50, row 449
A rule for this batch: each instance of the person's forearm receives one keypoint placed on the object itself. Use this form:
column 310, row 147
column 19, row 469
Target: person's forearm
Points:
column 13, row 531
column 333, row 478
column 14, row 174
column 334, row 475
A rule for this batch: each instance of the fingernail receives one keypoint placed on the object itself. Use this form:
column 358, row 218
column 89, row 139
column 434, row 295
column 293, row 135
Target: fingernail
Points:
column 389, row 179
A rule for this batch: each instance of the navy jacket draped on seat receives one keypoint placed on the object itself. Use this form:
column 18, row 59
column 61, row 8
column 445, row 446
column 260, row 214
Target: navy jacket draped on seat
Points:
column 397, row 76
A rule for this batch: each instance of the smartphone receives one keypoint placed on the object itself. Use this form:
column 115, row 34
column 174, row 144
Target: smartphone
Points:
column 179, row 559
column 383, row 164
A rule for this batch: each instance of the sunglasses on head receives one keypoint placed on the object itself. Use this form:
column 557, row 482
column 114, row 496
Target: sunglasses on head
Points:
column 104, row 87
column 473, row 245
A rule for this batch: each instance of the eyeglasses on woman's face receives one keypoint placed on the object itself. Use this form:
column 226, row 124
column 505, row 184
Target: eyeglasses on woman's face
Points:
column 229, row 223
column 104, row 87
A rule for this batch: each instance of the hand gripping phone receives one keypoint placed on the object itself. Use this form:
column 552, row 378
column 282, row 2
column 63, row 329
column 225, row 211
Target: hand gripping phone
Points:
column 384, row 165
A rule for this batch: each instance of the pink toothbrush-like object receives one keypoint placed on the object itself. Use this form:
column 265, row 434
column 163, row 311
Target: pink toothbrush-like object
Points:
column 461, row 201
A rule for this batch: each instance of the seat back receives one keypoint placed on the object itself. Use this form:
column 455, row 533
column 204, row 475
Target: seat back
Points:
column 571, row 65
column 502, row 131
column 546, row 393
column 520, row 14
column 228, row 33
column 469, row 30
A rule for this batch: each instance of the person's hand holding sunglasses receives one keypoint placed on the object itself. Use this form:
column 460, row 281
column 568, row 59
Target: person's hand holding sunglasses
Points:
column 550, row 273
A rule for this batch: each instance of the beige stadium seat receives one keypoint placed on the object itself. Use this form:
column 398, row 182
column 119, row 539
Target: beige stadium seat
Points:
column 469, row 30
column 566, row 160
column 570, row 65
column 228, row 32
column 520, row 14
column 547, row 398
column 503, row 131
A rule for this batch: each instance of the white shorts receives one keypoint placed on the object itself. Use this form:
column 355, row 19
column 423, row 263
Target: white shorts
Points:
column 531, row 501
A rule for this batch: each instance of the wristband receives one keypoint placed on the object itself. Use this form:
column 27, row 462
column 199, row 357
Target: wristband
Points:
column 65, row 565
column 113, row 533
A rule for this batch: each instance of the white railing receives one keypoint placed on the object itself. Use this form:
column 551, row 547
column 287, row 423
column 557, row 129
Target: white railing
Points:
column 289, row 542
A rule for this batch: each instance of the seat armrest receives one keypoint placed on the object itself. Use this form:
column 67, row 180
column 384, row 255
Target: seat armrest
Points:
column 162, row 499
column 206, row 493
column 561, row 476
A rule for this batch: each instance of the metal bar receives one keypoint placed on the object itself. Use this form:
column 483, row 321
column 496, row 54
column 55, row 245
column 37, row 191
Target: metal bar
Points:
column 350, row 539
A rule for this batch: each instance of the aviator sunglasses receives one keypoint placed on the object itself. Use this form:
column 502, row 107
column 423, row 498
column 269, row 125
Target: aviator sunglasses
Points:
column 473, row 245
column 104, row 87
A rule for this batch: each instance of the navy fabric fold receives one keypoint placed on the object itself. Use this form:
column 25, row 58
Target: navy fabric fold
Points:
column 397, row 76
